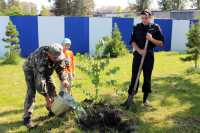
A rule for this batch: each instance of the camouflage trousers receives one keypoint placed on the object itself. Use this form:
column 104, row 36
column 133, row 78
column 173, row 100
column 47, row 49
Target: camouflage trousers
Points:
column 36, row 82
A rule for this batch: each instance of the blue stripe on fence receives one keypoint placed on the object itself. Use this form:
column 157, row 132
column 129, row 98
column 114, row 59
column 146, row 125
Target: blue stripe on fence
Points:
column 125, row 26
column 166, row 26
column 193, row 21
column 28, row 30
column 77, row 29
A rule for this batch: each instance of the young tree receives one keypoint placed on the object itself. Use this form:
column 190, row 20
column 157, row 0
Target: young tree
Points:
column 12, row 38
column 112, row 46
column 193, row 45
column 95, row 67
column 117, row 45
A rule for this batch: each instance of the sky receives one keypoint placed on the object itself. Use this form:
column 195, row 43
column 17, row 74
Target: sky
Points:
column 98, row 3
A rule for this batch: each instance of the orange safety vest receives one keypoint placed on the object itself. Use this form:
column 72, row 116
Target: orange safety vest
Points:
column 70, row 57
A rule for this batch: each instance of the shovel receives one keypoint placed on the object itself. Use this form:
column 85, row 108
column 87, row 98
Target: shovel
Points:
column 129, row 100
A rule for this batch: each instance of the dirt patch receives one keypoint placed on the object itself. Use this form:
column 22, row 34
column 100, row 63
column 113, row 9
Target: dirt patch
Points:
column 104, row 117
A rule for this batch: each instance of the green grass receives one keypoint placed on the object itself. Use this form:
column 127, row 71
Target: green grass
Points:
column 175, row 98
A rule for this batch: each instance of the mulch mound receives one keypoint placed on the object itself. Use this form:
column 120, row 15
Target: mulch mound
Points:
column 104, row 117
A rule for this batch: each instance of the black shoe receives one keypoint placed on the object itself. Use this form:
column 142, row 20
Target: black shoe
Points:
column 146, row 103
column 51, row 114
column 28, row 123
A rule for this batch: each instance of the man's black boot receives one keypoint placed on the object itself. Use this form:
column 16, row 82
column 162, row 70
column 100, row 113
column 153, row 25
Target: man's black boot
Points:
column 51, row 114
column 28, row 123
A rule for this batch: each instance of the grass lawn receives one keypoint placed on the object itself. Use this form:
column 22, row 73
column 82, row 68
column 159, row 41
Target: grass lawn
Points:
column 175, row 98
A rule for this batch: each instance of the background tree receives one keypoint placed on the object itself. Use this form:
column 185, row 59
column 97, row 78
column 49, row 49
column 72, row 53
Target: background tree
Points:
column 44, row 11
column 178, row 4
column 28, row 8
column 12, row 38
column 62, row 7
column 17, row 8
column 2, row 6
column 14, row 10
column 88, row 7
column 142, row 4
column 196, row 4
column 165, row 5
column 193, row 45
column 132, row 7
column 172, row 4
column 73, row 7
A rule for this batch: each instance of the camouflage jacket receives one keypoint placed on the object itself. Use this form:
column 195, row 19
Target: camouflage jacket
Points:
column 39, row 63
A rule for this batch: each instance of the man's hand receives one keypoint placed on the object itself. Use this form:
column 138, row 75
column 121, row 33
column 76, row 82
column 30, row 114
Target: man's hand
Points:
column 65, row 83
column 149, row 37
column 142, row 51
column 49, row 102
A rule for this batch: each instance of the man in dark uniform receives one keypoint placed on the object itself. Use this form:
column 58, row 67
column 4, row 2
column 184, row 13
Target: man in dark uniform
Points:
column 38, row 69
column 142, row 32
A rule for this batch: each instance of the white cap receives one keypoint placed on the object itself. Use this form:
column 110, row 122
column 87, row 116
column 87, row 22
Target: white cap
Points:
column 66, row 41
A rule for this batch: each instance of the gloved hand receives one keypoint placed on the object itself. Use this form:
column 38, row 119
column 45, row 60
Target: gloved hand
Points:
column 66, row 62
column 49, row 102
column 65, row 83
column 149, row 36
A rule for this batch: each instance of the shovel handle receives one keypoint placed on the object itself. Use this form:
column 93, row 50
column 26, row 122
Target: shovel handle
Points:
column 140, row 67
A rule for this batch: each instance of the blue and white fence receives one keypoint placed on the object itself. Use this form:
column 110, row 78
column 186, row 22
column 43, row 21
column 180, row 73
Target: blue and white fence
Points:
column 85, row 32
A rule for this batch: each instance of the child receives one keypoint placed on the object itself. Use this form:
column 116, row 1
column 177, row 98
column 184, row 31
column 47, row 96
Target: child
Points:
column 69, row 70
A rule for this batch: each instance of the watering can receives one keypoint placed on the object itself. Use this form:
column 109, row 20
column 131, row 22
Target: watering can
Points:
column 65, row 103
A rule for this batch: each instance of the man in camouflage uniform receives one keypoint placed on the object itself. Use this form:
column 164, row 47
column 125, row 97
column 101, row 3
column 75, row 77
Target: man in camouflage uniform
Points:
column 38, row 69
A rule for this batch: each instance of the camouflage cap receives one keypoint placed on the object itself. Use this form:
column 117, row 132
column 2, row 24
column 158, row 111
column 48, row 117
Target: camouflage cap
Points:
column 146, row 12
column 56, row 51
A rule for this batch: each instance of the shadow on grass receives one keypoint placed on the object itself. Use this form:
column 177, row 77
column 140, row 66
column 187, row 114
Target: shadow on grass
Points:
column 184, row 91
column 178, row 86
column 187, row 93
column 6, row 126
column 44, row 124
column 17, row 111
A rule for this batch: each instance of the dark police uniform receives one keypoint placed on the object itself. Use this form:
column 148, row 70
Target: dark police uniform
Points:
column 139, row 37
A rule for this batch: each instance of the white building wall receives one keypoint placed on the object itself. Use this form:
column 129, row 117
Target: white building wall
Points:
column 179, row 38
column 3, row 23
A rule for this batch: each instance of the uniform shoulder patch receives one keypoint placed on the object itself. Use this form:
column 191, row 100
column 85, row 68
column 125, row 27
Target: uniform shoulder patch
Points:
column 157, row 26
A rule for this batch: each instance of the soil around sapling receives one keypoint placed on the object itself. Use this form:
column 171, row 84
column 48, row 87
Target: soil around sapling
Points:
column 104, row 117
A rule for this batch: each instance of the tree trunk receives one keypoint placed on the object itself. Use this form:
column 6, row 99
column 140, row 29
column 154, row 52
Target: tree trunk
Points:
column 196, row 63
column 198, row 4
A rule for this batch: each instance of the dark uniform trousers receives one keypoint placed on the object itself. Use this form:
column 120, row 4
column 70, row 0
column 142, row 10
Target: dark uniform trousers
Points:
column 147, row 72
column 36, row 81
